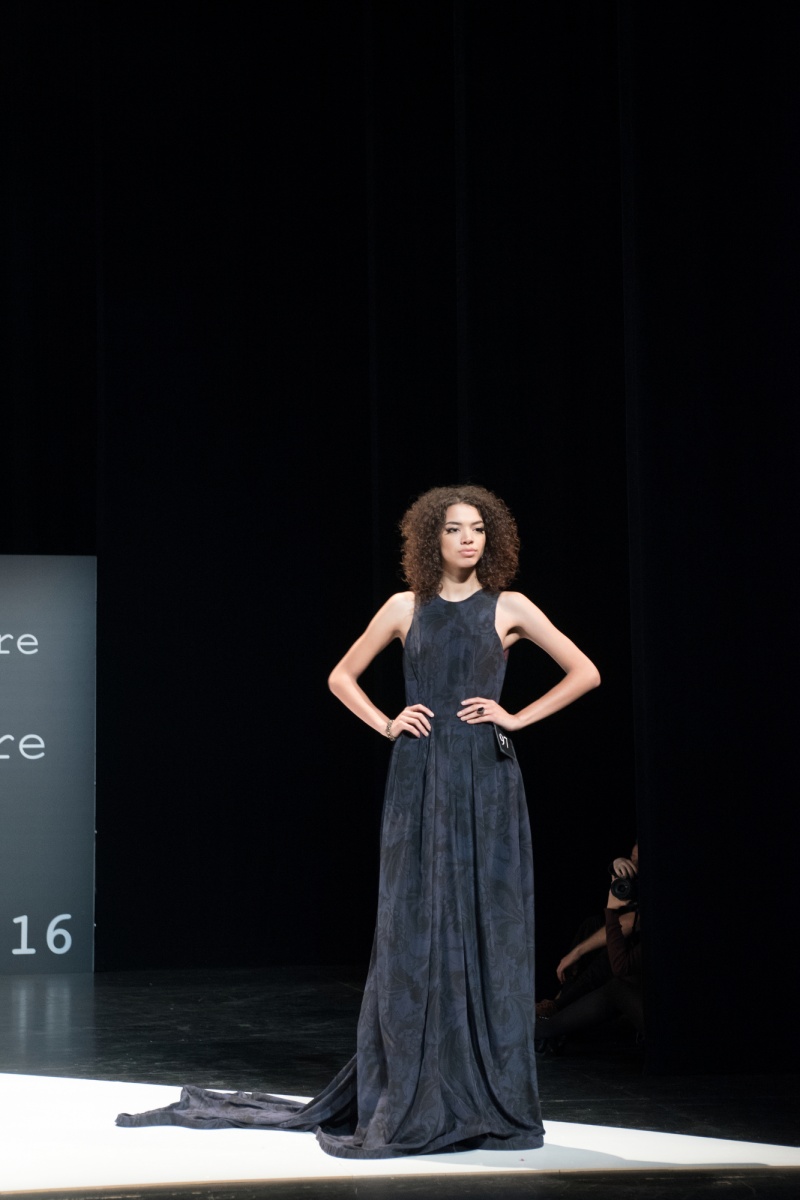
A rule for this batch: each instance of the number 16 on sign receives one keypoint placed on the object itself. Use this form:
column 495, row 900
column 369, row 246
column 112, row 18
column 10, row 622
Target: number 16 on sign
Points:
column 58, row 940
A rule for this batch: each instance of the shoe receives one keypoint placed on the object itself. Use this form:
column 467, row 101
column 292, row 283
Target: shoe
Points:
column 548, row 1046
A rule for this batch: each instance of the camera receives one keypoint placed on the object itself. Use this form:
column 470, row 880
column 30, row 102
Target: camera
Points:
column 625, row 887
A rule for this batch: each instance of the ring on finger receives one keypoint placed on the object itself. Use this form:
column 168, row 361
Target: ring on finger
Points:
column 481, row 710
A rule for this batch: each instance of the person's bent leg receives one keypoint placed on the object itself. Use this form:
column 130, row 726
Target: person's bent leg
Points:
column 591, row 1009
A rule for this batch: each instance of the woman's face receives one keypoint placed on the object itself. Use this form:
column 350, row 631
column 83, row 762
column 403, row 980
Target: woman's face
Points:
column 463, row 537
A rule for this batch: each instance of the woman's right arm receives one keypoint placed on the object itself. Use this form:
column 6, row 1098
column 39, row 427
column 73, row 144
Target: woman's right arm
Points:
column 391, row 621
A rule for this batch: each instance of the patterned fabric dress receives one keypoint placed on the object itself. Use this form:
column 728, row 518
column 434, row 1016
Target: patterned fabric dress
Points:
column 445, row 1057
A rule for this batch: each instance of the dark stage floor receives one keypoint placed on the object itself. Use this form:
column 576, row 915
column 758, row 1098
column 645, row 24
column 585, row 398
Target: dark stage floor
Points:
column 289, row 1030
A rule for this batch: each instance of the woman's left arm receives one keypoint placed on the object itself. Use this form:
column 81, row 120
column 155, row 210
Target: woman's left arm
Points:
column 518, row 616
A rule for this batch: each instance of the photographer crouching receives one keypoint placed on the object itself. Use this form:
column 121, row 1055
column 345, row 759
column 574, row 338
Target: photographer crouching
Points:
column 601, row 975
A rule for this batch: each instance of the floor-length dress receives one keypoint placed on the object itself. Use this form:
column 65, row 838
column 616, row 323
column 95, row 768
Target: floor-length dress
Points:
column 445, row 1050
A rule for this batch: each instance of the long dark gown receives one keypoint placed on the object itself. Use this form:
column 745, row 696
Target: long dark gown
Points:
column 445, row 1051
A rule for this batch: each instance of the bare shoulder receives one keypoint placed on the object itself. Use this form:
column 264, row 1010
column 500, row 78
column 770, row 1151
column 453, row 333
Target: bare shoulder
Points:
column 396, row 614
column 518, row 617
column 517, row 606
column 400, row 602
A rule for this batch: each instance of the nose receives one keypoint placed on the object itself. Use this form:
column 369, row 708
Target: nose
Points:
column 466, row 535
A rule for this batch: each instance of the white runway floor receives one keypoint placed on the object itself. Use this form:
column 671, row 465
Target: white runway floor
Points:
column 60, row 1133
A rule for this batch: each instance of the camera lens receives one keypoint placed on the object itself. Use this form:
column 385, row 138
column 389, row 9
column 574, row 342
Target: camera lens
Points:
column 623, row 887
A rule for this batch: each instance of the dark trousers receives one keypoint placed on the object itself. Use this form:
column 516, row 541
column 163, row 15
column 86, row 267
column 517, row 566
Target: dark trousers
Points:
column 616, row 997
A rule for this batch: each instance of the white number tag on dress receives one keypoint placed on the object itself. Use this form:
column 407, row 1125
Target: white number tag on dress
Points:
column 504, row 742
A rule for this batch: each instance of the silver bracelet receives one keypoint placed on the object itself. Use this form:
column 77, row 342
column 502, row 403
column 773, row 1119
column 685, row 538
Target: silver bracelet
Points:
column 388, row 730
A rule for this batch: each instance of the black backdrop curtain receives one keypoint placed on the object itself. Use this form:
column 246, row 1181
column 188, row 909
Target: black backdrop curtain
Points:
column 709, row 120
column 275, row 269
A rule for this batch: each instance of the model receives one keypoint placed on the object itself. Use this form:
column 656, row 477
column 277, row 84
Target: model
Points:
column 445, row 1055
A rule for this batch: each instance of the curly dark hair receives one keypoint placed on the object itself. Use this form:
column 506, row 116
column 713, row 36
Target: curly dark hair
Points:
column 422, row 527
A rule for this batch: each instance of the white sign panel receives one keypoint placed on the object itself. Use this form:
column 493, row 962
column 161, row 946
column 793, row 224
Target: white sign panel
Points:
column 47, row 720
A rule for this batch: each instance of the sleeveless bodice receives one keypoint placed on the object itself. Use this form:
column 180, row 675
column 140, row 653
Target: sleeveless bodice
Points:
column 453, row 652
